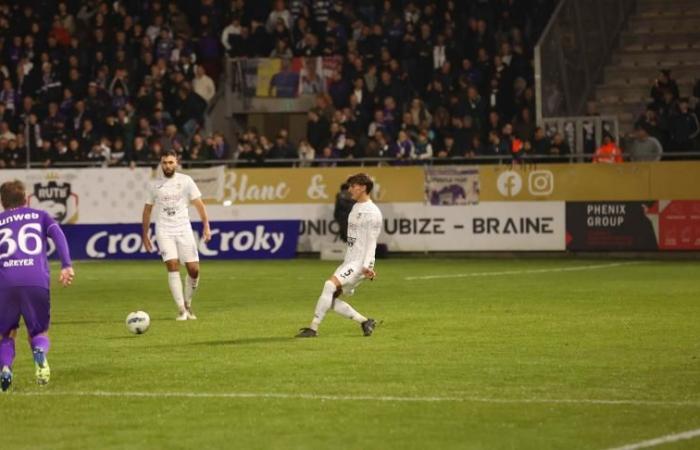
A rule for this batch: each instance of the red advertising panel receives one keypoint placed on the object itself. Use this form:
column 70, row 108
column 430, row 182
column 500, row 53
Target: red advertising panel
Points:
column 679, row 225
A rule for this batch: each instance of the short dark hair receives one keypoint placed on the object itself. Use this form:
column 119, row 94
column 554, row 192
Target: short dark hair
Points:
column 166, row 153
column 13, row 194
column 362, row 179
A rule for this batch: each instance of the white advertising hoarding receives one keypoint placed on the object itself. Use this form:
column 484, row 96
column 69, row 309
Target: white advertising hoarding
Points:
column 116, row 196
column 490, row 226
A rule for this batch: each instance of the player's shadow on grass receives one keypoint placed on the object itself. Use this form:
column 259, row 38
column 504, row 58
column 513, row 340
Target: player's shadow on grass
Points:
column 83, row 322
column 246, row 341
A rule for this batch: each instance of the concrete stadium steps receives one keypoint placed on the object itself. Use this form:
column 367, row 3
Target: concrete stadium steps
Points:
column 666, row 13
column 672, row 40
column 665, row 26
column 626, row 116
column 644, row 83
column 630, row 91
column 655, row 46
column 685, row 73
column 664, row 23
column 666, row 5
column 660, row 34
column 656, row 58
column 633, row 92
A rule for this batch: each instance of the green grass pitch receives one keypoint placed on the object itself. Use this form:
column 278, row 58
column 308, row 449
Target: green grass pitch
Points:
column 532, row 357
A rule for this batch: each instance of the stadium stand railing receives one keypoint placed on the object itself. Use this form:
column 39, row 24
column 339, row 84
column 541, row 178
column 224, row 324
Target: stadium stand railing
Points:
column 583, row 133
column 374, row 162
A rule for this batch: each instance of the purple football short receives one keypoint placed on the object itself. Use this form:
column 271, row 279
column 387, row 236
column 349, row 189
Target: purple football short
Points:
column 31, row 303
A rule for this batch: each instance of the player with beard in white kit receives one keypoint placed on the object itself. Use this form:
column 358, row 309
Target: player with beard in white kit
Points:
column 172, row 194
column 364, row 226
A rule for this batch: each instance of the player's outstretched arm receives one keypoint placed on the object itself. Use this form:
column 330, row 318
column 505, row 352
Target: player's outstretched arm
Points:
column 202, row 211
column 145, row 227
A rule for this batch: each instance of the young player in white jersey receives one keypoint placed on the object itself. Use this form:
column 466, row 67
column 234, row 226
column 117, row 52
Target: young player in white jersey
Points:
column 172, row 194
column 364, row 226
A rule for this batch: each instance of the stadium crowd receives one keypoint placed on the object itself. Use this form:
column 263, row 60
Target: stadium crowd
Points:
column 112, row 82
column 668, row 123
column 118, row 82
column 419, row 80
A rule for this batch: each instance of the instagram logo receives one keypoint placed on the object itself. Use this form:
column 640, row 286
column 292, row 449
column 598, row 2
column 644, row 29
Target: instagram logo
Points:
column 541, row 182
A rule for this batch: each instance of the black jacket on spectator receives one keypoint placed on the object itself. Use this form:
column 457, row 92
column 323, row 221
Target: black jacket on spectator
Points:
column 318, row 133
column 683, row 127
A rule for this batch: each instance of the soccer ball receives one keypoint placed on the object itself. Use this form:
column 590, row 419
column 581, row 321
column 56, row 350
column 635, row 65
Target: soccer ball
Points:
column 138, row 322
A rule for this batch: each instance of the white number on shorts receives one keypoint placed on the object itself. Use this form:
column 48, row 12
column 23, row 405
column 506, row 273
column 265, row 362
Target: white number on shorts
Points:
column 29, row 233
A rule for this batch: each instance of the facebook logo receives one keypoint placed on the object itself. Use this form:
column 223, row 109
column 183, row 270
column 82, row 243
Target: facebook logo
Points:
column 509, row 183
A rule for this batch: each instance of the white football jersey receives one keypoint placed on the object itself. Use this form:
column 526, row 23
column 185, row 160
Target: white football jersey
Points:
column 172, row 197
column 364, row 225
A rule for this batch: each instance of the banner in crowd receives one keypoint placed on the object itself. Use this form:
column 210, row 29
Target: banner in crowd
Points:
column 451, row 185
column 608, row 226
column 230, row 240
column 284, row 77
column 590, row 182
column 418, row 227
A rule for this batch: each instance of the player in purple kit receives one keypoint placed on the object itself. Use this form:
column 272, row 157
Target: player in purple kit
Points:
column 25, row 278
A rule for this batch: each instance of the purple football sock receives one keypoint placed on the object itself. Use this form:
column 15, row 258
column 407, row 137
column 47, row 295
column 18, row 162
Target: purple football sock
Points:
column 7, row 352
column 41, row 342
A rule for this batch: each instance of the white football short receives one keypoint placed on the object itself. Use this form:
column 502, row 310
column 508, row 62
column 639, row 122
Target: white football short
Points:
column 350, row 276
column 182, row 247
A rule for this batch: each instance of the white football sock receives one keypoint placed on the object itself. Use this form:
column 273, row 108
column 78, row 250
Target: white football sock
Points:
column 175, row 284
column 190, row 286
column 345, row 310
column 323, row 305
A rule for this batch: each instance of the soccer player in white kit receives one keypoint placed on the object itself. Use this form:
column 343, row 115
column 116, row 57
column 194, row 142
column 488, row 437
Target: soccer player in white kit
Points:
column 172, row 194
column 364, row 226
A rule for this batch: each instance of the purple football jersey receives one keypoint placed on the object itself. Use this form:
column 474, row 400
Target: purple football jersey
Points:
column 24, row 247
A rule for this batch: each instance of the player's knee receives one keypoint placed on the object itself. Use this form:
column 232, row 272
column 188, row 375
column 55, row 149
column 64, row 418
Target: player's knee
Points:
column 193, row 272
column 331, row 286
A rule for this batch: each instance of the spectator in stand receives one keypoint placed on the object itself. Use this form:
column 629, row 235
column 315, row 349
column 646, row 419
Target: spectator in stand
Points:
column 326, row 157
column 696, row 94
column 497, row 145
column 540, row 142
column 650, row 121
column 608, row 152
column 559, row 149
column 644, row 147
column 524, row 127
column 664, row 83
column 683, row 128
column 318, row 130
column 405, row 146
column 305, row 152
column 218, row 147
column 203, row 85
column 423, row 148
